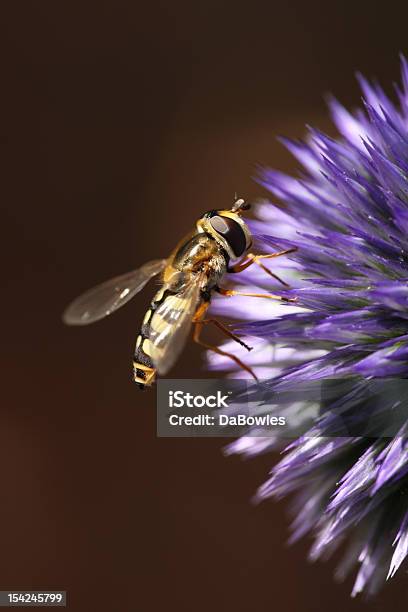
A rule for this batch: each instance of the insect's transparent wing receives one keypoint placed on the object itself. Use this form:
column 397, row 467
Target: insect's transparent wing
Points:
column 104, row 299
column 170, row 326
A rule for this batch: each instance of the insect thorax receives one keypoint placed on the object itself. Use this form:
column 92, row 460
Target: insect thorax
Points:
column 202, row 253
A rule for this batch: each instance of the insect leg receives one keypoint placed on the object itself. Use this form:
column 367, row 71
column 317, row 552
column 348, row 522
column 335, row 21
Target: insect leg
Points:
column 269, row 296
column 198, row 318
column 200, row 312
column 251, row 258
column 278, row 254
column 199, row 324
column 275, row 276
column 227, row 332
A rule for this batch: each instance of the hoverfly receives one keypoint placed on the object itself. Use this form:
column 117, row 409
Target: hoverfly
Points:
column 219, row 244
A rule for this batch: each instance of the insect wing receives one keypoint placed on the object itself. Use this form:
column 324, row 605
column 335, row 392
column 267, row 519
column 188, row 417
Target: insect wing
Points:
column 102, row 300
column 170, row 326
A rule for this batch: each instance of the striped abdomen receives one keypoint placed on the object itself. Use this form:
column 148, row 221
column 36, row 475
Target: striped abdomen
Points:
column 143, row 368
column 165, row 329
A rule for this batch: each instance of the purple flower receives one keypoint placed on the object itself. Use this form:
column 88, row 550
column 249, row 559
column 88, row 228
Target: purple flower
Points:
column 347, row 213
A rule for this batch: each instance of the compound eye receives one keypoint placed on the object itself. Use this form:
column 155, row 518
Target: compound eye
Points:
column 231, row 231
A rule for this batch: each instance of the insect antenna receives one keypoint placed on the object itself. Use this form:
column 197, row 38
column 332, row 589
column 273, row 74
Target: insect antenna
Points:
column 239, row 205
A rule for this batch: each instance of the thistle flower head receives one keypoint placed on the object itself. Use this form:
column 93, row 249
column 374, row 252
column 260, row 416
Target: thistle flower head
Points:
column 347, row 213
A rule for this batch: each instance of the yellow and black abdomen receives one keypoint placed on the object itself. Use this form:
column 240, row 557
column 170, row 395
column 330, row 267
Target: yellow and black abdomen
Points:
column 143, row 368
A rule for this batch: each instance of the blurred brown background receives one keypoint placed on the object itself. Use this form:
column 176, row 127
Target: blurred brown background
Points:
column 123, row 122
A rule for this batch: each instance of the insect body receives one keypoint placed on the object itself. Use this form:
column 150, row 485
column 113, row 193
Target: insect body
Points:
column 219, row 244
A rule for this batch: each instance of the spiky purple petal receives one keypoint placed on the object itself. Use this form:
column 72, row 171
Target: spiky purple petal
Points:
column 348, row 215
